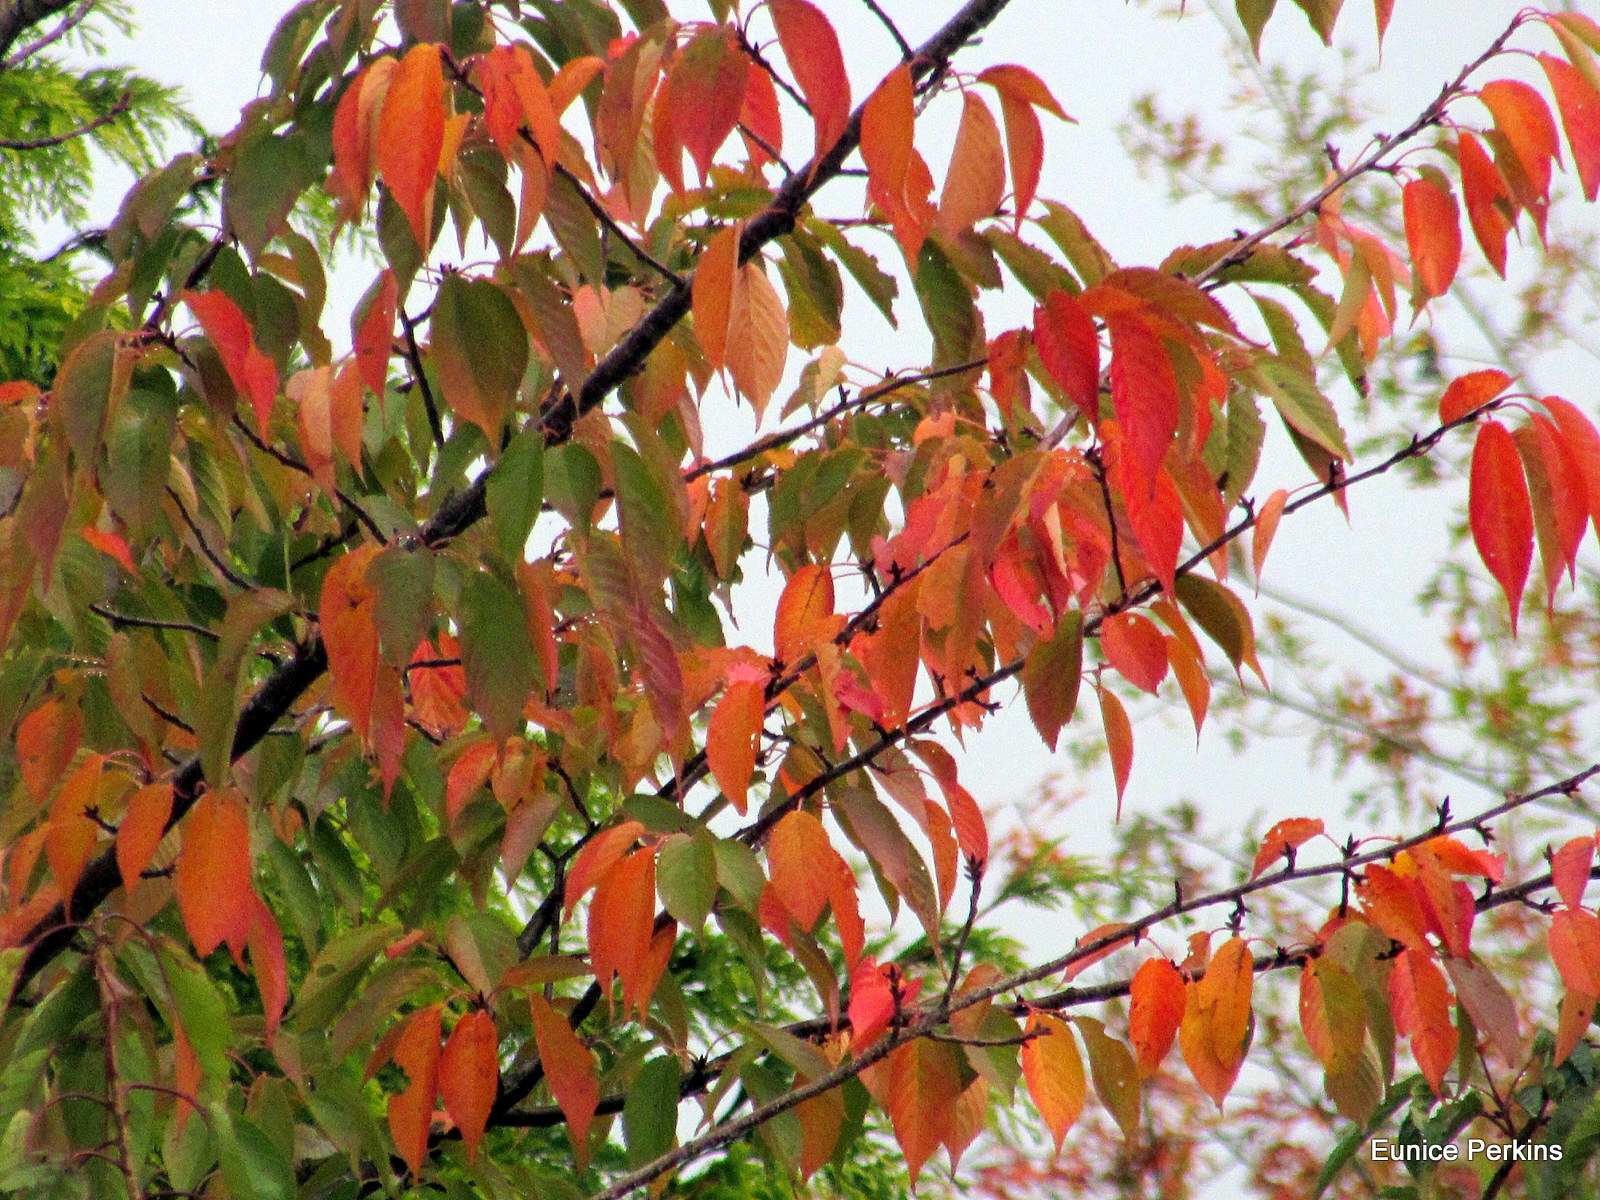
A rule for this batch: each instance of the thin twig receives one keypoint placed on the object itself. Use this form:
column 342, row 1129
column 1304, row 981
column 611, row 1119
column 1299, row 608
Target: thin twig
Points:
column 123, row 620
column 597, row 210
column 63, row 27
column 414, row 358
column 122, row 105
column 906, row 52
column 211, row 555
column 294, row 464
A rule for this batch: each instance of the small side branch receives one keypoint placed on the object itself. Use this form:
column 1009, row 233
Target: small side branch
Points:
column 124, row 102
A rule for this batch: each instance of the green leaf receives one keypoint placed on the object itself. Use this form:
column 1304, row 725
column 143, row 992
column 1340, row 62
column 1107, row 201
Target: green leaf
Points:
column 1347, row 1147
column 948, row 309
column 686, row 877
column 261, row 189
column 652, row 529
column 480, row 350
column 516, row 492
column 1301, row 404
column 1051, row 676
column 650, row 1112
column 496, row 652
column 1253, row 16
column 1087, row 256
column 217, row 716
column 402, row 576
column 1322, row 14
column 252, row 1164
column 881, row 288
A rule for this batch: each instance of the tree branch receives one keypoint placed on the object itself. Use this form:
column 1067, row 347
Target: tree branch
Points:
column 124, row 102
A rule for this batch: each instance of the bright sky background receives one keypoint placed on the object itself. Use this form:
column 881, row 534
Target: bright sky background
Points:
column 1096, row 55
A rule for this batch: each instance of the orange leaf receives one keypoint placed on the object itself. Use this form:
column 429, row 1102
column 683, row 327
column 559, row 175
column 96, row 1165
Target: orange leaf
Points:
column 575, row 75
column 411, row 1112
column 898, row 181
column 599, row 854
column 437, row 693
column 267, row 961
column 1500, row 513
column 758, row 336
column 812, row 48
column 569, row 1068
column 1216, row 1019
column 976, row 180
column 972, row 833
column 803, row 612
column 1422, row 1004
column 1574, row 943
column 1283, row 838
column 212, row 879
column 411, row 136
column 1576, row 1012
column 801, row 860
column 621, row 917
column 469, row 1075
column 1521, row 114
column 1569, row 867
column 1119, row 740
column 140, row 831
column 924, row 1082
column 1100, row 932
column 761, row 124
column 1488, row 201
column 706, row 91
column 1135, row 649
column 1156, row 1000
column 1053, row 1069
column 1395, row 906
column 1470, row 392
column 253, row 374
column 1069, row 347
column 110, row 544
column 46, row 740
column 1267, row 518
column 185, row 1074
column 1022, row 84
column 366, row 689
column 72, row 835
column 1433, row 234
column 1579, row 103
column 712, row 297
column 733, row 739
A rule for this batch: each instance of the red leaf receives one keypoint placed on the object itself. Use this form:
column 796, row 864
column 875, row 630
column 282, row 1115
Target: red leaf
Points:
column 762, row 124
column 1283, row 837
column 972, row 834
column 1024, row 151
column 1069, row 348
column 1470, row 392
column 1488, row 201
column 1521, row 114
column 374, row 338
column 1135, row 649
column 253, row 374
column 1500, row 513
column 1569, row 867
column 1574, row 943
column 411, row 136
column 1053, row 1069
column 366, row 689
column 1583, row 443
column 812, row 48
column 267, row 961
column 1433, row 233
column 140, row 831
column 1558, row 496
column 72, row 835
column 871, row 1002
column 569, row 1068
column 411, row 1112
column 1100, row 933
column 1119, row 740
column 1155, row 1010
column 1421, row 999
column 733, row 739
column 1022, row 84
column 706, row 92
column 1579, row 103
column 1144, row 394
column 110, row 544
column 213, row 874
column 46, row 740
column 469, row 1075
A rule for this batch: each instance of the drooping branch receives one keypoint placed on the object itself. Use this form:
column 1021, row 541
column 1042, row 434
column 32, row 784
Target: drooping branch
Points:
column 124, row 102
column 54, row 931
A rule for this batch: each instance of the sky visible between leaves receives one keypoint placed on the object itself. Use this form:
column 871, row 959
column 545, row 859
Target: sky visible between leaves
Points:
column 1096, row 55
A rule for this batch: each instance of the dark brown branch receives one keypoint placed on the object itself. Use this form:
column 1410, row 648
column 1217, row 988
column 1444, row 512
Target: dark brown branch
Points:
column 124, row 102
column 906, row 53
column 294, row 464
column 124, row 621
column 21, row 14
column 200, row 538
column 414, row 358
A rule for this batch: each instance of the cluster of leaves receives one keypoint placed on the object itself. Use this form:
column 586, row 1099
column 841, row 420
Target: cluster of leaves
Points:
column 381, row 678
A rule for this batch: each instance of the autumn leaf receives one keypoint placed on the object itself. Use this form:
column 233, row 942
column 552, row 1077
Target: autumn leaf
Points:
column 1469, row 392
column 812, row 49
column 1422, row 1007
column 1119, row 739
column 469, row 1076
column 1433, row 233
column 1069, row 347
column 620, row 919
column 733, row 739
column 411, row 1112
column 975, row 181
column 1135, row 649
column 923, row 1085
column 1053, row 1069
column 253, row 374
column 1487, row 200
column 569, row 1067
column 1569, row 868
column 1156, row 1001
column 1284, row 838
column 1216, row 1025
column 1579, row 104
column 213, row 877
column 140, row 831
column 1500, row 513
column 411, row 136
column 706, row 92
